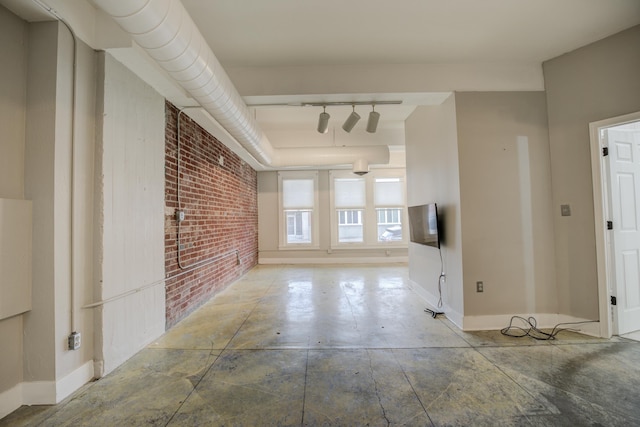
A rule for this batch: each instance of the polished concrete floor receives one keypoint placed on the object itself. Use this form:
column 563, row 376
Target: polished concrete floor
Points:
column 351, row 346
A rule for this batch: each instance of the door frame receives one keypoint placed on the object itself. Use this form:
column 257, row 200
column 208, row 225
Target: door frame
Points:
column 601, row 207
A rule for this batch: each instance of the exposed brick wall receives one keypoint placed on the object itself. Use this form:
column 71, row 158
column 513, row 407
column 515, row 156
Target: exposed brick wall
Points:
column 221, row 207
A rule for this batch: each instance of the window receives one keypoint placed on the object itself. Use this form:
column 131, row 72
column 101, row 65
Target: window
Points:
column 389, row 201
column 367, row 211
column 298, row 203
column 349, row 202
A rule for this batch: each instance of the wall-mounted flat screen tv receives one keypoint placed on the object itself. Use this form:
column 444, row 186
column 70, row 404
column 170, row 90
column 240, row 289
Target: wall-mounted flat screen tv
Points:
column 423, row 225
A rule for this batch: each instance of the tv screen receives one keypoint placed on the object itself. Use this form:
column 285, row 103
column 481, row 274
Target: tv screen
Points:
column 423, row 225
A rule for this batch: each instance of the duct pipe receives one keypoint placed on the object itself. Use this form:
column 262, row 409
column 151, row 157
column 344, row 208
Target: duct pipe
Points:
column 164, row 29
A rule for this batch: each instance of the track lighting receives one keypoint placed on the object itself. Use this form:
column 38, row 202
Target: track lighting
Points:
column 374, row 117
column 351, row 120
column 323, row 121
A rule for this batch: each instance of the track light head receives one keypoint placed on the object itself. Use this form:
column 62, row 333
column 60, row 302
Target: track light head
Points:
column 351, row 120
column 361, row 167
column 372, row 123
column 323, row 121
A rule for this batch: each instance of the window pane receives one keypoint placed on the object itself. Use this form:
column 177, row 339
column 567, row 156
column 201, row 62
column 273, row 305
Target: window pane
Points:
column 349, row 192
column 388, row 191
column 389, row 225
column 298, row 226
column 351, row 230
column 297, row 193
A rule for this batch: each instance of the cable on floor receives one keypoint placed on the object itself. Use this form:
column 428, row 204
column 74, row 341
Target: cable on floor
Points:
column 442, row 276
column 531, row 329
column 433, row 313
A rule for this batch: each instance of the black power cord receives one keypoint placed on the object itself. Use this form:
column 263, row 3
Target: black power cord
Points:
column 442, row 276
column 434, row 313
column 531, row 329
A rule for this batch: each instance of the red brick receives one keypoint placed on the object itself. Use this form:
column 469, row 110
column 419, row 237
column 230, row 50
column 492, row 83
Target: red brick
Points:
column 221, row 207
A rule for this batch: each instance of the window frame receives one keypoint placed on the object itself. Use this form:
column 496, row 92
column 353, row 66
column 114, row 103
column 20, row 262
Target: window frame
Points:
column 369, row 211
column 283, row 243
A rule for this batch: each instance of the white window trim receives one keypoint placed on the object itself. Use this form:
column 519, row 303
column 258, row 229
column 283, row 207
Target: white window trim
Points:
column 315, row 218
column 369, row 215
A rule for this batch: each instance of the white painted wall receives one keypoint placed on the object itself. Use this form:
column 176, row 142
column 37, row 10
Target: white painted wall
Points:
column 505, row 193
column 433, row 177
column 15, row 257
column 39, row 336
column 592, row 83
column 130, row 230
column 51, row 372
column 13, row 91
column 13, row 86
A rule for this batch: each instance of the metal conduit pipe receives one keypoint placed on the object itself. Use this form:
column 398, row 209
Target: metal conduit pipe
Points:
column 164, row 29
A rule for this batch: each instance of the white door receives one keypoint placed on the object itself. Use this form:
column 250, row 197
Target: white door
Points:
column 623, row 143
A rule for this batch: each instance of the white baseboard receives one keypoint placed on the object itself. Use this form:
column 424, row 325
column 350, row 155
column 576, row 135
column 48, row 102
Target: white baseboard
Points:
column 329, row 260
column 500, row 321
column 432, row 302
column 52, row 392
column 74, row 380
column 10, row 400
column 543, row 320
column 39, row 393
column 592, row 328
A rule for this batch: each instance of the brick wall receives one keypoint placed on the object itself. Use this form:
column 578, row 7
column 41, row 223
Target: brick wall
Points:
column 220, row 203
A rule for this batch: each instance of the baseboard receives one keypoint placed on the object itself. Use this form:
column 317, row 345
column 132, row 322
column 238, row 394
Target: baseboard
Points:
column 432, row 303
column 592, row 328
column 39, row 393
column 543, row 320
column 73, row 381
column 330, row 260
column 500, row 321
column 52, row 392
column 10, row 400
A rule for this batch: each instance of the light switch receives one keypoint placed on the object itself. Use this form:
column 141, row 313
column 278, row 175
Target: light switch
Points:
column 565, row 210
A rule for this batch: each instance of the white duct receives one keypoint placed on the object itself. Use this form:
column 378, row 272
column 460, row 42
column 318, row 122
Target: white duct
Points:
column 164, row 29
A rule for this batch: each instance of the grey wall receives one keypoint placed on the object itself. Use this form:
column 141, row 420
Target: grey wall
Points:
column 484, row 158
column 48, row 173
column 505, row 192
column 595, row 82
column 433, row 176
column 13, row 84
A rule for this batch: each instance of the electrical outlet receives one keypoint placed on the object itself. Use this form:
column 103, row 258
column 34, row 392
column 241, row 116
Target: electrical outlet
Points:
column 180, row 216
column 74, row 340
column 479, row 286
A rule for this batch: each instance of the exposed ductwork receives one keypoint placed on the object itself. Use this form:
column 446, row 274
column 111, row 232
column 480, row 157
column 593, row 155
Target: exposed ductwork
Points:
column 164, row 29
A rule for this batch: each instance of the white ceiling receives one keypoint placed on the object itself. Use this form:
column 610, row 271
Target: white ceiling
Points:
column 332, row 32
column 245, row 34
column 301, row 33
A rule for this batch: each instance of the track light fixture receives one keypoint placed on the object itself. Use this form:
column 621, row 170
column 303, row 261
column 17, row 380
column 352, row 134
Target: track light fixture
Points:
column 323, row 121
column 374, row 117
column 351, row 120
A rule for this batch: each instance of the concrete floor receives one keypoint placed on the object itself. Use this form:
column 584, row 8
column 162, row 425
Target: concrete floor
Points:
column 350, row 346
